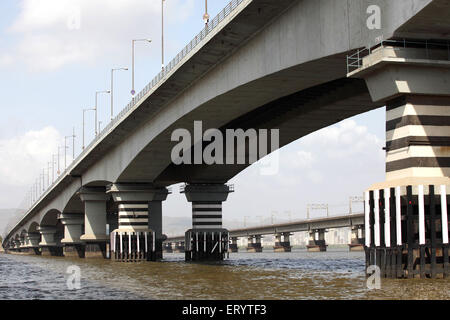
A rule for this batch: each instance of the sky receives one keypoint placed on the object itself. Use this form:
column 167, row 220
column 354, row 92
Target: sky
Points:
column 54, row 56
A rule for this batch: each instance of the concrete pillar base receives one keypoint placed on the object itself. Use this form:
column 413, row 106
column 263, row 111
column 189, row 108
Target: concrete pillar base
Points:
column 282, row 247
column 133, row 246
column 167, row 248
column 95, row 250
column 206, row 244
column 356, row 247
column 74, row 250
column 179, row 249
column 53, row 251
column 254, row 249
column 317, row 246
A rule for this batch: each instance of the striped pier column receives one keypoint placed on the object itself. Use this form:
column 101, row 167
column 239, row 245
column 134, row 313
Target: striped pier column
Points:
column 207, row 240
column 134, row 240
column 417, row 137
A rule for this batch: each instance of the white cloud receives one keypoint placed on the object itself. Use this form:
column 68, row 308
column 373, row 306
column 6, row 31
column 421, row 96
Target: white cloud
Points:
column 326, row 166
column 23, row 156
column 54, row 33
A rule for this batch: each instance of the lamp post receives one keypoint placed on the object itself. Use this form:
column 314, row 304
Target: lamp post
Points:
column 112, row 88
column 48, row 173
column 162, row 34
column 84, row 111
column 206, row 15
column 96, row 107
column 65, row 149
column 133, row 92
column 53, row 167
column 59, row 167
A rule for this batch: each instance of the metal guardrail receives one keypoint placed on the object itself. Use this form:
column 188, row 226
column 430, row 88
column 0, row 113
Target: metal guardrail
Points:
column 211, row 25
column 355, row 61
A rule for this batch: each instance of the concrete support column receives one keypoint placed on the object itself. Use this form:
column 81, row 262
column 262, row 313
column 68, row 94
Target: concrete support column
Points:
column 282, row 245
column 33, row 239
column 167, row 247
column 207, row 240
column 234, row 245
column 317, row 241
column 179, row 247
column 139, row 236
column 254, row 244
column 94, row 237
column 73, row 229
column 49, row 246
column 357, row 241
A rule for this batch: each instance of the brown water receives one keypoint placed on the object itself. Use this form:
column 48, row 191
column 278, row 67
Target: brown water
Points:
column 336, row 274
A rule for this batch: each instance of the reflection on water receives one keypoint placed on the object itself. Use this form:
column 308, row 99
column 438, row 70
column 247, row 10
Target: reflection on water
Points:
column 336, row 274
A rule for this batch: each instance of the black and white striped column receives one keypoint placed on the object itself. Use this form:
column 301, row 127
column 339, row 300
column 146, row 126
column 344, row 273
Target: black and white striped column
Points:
column 133, row 216
column 206, row 215
column 417, row 137
column 207, row 240
column 407, row 230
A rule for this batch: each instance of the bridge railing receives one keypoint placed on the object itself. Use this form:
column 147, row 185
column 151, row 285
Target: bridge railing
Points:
column 355, row 60
column 210, row 26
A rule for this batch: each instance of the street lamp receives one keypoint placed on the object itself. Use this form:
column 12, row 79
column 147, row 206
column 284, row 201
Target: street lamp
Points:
column 53, row 167
column 162, row 34
column 96, row 98
column 66, row 147
column 112, row 88
column 59, row 148
column 133, row 92
column 84, row 111
column 206, row 15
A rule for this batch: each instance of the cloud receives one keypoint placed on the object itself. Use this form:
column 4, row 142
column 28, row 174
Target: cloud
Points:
column 327, row 166
column 24, row 157
column 55, row 33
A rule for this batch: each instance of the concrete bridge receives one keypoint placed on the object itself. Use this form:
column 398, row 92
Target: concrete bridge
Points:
column 266, row 64
column 315, row 227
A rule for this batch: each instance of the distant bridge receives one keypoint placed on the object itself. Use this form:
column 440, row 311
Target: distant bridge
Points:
column 316, row 227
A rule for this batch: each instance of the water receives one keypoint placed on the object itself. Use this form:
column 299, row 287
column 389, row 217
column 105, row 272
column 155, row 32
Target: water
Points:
column 336, row 274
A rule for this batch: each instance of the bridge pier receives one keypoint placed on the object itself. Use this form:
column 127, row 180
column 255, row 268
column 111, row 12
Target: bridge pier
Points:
column 32, row 241
column 207, row 240
column 254, row 244
column 282, row 246
column 317, row 241
column 179, row 247
column 49, row 244
column 406, row 217
column 139, row 236
column 357, row 239
column 94, row 236
column 73, row 223
column 168, row 248
column 234, row 245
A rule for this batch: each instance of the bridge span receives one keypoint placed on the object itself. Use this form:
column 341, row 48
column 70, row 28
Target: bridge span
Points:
column 292, row 65
column 316, row 228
